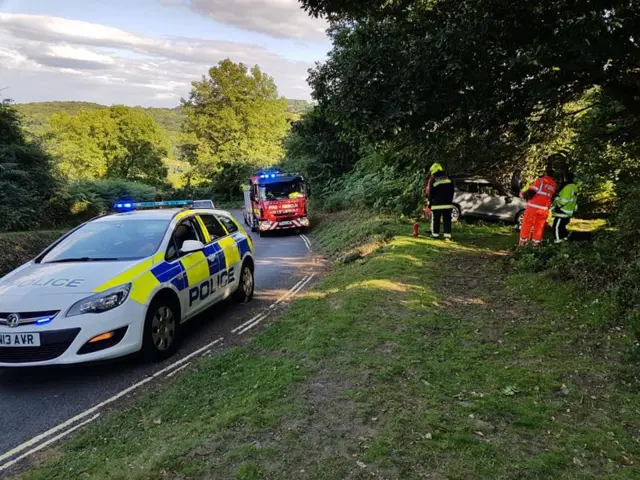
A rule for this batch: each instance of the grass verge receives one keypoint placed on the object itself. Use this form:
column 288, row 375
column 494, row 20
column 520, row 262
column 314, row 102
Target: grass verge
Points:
column 425, row 359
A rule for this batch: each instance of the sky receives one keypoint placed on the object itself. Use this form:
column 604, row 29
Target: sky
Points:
column 147, row 52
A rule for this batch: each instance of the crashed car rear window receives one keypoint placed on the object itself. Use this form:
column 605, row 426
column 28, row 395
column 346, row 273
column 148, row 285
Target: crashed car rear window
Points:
column 111, row 240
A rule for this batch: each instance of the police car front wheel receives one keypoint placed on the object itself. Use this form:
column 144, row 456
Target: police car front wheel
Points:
column 161, row 330
column 244, row 293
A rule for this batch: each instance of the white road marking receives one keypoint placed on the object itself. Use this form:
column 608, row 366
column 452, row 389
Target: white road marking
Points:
column 291, row 293
column 173, row 372
column 306, row 241
column 47, row 443
column 295, row 289
column 240, row 327
column 94, row 409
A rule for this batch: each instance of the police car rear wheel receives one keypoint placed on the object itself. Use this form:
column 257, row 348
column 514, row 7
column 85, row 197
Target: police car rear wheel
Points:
column 161, row 330
column 245, row 289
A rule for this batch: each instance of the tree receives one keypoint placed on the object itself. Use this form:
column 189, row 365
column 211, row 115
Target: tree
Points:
column 27, row 183
column 234, row 118
column 118, row 142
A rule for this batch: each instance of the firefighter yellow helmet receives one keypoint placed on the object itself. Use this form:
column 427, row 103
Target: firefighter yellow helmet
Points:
column 436, row 167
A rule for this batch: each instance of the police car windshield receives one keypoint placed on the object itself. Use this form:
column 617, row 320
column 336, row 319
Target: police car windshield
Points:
column 127, row 239
column 280, row 190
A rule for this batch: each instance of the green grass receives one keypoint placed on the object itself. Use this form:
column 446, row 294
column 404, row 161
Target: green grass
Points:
column 425, row 359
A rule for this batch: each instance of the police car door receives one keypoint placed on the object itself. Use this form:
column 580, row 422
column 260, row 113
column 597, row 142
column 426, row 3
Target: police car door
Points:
column 225, row 272
column 196, row 286
column 231, row 250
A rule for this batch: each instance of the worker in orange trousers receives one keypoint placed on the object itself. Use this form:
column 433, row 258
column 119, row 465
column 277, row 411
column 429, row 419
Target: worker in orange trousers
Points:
column 539, row 196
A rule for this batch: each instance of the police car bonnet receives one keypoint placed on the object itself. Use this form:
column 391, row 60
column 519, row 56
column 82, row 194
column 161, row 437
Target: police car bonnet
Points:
column 60, row 278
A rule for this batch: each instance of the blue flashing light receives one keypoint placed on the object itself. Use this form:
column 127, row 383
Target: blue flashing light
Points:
column 43, row 321
column 128, row 206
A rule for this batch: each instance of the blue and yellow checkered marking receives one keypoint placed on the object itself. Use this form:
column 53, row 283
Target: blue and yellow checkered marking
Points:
column 243, row 244
column 171, row 272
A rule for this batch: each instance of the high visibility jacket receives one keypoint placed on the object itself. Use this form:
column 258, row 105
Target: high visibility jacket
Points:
column 566, row 203
column 544, row 188
column 441, row 192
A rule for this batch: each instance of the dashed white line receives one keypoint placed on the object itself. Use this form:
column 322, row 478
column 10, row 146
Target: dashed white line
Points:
column 30, row 443
column 173, row 372
column 47, row 443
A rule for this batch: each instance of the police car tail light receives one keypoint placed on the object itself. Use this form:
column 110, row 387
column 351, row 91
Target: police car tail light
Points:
column 101, row 302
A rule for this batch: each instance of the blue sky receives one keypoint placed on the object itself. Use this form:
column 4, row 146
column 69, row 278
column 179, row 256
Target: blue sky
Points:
column 146, row 52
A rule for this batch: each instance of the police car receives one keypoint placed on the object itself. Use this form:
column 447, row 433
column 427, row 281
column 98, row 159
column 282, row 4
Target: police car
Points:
column 123, row 283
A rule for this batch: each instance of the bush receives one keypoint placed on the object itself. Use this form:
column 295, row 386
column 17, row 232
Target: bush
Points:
column 19, row 248
column 88, row 198
column 610, row 263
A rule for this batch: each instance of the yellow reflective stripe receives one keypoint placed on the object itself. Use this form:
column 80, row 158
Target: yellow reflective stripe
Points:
column 441, row 207
column 441, row 182
column 127, row 276
column 143, row 287
column 181, row 215
column 231, row 252
column 158, row 257
column 207, row 235
column 196, row 266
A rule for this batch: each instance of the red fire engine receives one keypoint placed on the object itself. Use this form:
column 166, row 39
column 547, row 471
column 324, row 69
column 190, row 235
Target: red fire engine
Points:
column 276, row 201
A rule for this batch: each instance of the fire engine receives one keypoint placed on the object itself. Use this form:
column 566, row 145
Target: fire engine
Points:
column 276, row 201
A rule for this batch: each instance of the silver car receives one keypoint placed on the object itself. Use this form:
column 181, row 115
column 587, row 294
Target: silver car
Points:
column 479, row 197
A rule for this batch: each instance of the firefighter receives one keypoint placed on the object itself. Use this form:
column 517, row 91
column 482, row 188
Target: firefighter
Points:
column 564, row 206
column 539, row 196
column 440, row 201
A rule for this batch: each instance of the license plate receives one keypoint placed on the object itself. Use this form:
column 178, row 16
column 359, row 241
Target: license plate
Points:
column 287, row 222
column 19, row 339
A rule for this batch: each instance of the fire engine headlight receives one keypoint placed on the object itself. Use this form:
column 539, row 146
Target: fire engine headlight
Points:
column 265, row 225
column 304, row 222
column 101, row 302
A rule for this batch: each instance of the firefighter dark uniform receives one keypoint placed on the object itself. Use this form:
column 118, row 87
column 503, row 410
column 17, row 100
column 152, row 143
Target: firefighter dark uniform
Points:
column 440, row 201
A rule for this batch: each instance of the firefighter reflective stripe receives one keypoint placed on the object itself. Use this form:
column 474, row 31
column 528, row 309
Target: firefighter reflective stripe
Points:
column 444, row 181
column 539, row 207
column 127, row 276
column 205, row 232
column 196, row 266
column 231, row 253
column 441, row 207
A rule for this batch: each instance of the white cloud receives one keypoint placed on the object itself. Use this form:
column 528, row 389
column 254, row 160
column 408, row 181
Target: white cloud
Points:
column 52, row 58
column 277, row 18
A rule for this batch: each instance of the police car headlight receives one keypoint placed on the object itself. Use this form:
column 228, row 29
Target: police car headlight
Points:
column 101, row 302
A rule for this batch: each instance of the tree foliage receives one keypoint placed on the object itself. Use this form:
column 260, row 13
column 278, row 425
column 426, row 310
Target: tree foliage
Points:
column 27, row 183
column 483, row 86
column 235, row 122
column 118, row 142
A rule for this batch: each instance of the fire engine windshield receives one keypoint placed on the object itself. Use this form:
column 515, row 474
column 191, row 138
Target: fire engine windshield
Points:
column 280, row 190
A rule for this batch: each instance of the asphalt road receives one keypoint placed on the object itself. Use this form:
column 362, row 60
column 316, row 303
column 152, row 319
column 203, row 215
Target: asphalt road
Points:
column 33, row 401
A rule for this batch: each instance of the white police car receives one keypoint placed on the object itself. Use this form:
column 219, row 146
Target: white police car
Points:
column 123, row 283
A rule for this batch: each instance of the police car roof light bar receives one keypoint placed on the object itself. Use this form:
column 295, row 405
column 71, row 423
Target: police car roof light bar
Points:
column 127, row 206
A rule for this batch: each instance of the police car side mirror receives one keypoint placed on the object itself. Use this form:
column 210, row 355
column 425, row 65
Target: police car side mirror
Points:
column 190, row 246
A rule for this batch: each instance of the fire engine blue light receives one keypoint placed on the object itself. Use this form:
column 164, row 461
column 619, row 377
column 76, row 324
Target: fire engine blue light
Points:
column 43, row 321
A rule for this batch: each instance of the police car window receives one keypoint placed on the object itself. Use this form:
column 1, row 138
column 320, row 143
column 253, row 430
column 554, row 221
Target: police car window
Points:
column 186, row 230
column 213, row 226
column 228, row 223
column 111, row 240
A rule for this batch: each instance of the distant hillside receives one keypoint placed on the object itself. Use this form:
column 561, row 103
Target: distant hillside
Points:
column 170, row 119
